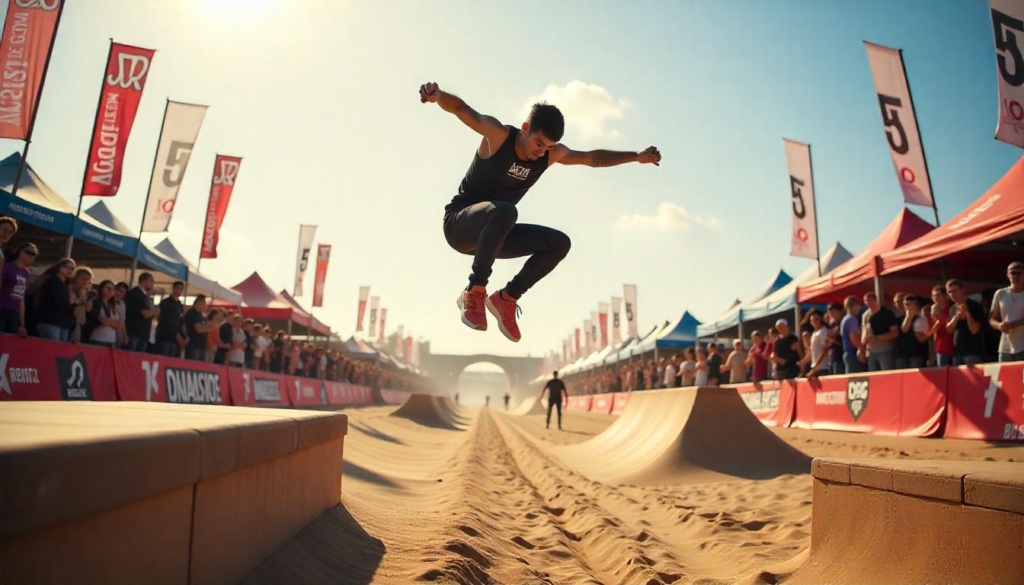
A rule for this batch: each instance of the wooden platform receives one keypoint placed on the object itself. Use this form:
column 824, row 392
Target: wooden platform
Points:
column 133, row 492
column 907, row 521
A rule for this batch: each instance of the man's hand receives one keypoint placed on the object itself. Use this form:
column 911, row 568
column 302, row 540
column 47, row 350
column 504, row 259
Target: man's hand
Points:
column 1006, row 327
column 429, row 93
column 649, row 155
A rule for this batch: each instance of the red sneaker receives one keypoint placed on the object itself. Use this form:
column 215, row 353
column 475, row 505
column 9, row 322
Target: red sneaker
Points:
column 505, row 310
column 471, row 303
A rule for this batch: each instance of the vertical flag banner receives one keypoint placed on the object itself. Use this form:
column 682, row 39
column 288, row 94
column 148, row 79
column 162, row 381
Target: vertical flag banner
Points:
column 576, row 351
column 595, row 325
column 29, row 32
column 123, row 82
column 225, row 173
column 900, row 123
column 374, row 304
column 383, row 323
column 408, row 349
column 323, row 257
column 565, row 352
column 616, row 320
column 587, row 349
column 364, row 294
column 399, row 341
column 602, row 312
column 177, row 137
column 1008, row 30
column 629, row 294
column 306, row 235
column 804, row 236
column 416, row 354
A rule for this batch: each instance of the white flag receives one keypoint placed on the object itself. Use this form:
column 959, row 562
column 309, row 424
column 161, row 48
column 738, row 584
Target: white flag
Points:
column 400, row 341
column 306, row 234
column 587, row 347
column 629, row 292
column 177, row 137
column 595, row 328
column 616, row 321
column 364, row 294
column 1008, row 30
column 804, row 237
column 374, row 303
column 900, row 123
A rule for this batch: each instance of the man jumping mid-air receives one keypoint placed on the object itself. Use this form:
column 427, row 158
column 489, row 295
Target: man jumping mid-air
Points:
column 481, row 220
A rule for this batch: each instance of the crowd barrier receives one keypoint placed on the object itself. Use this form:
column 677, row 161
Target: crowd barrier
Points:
column 984, row 402
column 36, row 369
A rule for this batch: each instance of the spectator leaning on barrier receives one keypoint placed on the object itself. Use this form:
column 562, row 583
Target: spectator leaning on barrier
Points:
column 215, row 319
column 53, row 310
column 786, row 356
column 250, row 342
column 817, row 359
column 140, row 313
column 965, row 323
column 714, row 365
column 880, row 332
column 835, row 339
column 757, row 358
column 13, row 289
column 197, row 330
column 669, row 379
column 736, row 363
column 236, row 353
column 8, row 227
column 120, row 292
column 109, row 326
column 225, row 335
column 773, row 336
column 688, row 368
column 277, row 356
column 170, row 326
column 701, row 368
column 81, row 296
column 1007, row 315
column 940, row 315
column 259, row 347
column 914, row 334
column 849, row 329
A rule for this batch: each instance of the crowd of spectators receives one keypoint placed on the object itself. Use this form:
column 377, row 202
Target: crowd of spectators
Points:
column 949, row 328
column 63, row 304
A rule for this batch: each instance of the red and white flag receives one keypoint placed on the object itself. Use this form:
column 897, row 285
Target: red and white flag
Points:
column 383, row 323
column 374, row 304
column 900, row 123
column 576, row 345
column 29, row 32
column 1008, row 30
column 364, row 294
column 804, row 236
column 323, row 257
column 408, row 349
column 306, row 235
column 178, row 135
column 629, row 294
column 616, row 320
column 123, row 82
column 565, row 351
column 602, row 315
column 400, row 342
column 225, row 173
column 595, row 327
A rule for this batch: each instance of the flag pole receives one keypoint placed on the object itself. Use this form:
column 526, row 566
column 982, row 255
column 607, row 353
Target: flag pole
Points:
column 814, row 201
column 149, row 190
column 92, row 140
column 35, row 111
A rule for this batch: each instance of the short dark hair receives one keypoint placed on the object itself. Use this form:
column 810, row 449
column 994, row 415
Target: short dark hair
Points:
column 145, row 277
column 123, row 285
column 178, row 283
column 199, row 299
column 10, row 220
column 547, row 118
column 835, row 306
column 954, row 282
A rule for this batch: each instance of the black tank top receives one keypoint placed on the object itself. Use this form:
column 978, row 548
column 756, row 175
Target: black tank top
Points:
column 502, row 177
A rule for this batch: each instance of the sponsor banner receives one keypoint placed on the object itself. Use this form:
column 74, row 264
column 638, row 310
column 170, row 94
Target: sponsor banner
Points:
column 178, row 135
column 602, row 313
column 364, row 294
column 394, row 396
column 621, row 400
column 581, row 403
column 36, row 369
column 804, row 234
column 323, row 258
column 899, row 123
column 923, row 408
column 587, row 337
column 629, row 299
column 771, row 401
column 252, row 388
column 986, row 402
column 1008, row 32
column 309, row 392
column 28, row 35
column 602, row 403
column 616, row 320
column 152, row 378
column 341, row 394
column 123, row 82
column 306, row 235
column 225, row 173
column 374, row 308
column 383, row 323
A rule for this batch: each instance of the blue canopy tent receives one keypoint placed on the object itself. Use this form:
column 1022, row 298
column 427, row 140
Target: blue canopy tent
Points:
column 732, row 318
column 682, row 333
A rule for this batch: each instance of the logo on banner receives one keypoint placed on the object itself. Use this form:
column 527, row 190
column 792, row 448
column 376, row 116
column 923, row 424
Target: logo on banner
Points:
column 615, row 320
column 228, row 172
column 857, row 391
column 891, row 119
column 305, row 260
column 187, row 386
column 762, row 400
column 47, row 5
column 74, row 378
column 130, row 71
column 1004, row 27
column 263, row 389
column 629, row 311
column 15, row 375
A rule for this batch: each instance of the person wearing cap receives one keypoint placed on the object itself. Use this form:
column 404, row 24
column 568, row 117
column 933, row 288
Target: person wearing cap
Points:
column 914, row 335
column 1007, row 315
column 786, row 356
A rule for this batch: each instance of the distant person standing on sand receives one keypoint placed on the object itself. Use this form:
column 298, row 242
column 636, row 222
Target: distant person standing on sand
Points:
column 556, row 394
column 487, row 400
column 507, row 398
column 456, row 398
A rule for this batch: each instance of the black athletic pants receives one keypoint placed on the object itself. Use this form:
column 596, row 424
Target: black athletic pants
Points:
column 554, row 404
column 489, row 230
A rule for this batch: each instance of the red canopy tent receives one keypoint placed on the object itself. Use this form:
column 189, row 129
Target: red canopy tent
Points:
column 318, row 325
column 261, row 303
column 977, row 244
column 856, row 275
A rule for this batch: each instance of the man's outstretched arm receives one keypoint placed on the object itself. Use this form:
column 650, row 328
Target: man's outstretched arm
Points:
column 487, row 126
column 603, row 158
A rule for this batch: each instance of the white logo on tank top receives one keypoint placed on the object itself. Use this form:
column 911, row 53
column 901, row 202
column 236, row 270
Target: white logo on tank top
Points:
column 519, row 172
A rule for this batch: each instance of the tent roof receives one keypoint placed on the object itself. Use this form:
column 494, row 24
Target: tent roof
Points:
column 359, row 350
column 977, row 243
column 731, row 318
column 197, row 282
column 318, row 325
column 854, row 275
column 647, row 343
column 101, row 216
column 260, row 302
column 784, row 299
column 682, row 334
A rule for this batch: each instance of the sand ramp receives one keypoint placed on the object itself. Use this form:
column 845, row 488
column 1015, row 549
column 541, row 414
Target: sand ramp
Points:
column 528, row 406
column 688, row 434
column 433, row 411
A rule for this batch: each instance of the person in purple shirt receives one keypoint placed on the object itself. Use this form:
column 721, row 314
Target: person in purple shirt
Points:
column 849, row 328
column 13, row 287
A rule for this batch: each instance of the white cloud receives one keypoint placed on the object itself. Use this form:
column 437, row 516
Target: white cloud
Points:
column 669, row 217
column 588, row 108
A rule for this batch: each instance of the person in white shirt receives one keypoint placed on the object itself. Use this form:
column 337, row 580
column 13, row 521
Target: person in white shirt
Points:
column 688, row 368
column 701, row 377
column 818, row 358
column 260, row 344
column 1007, row 315
column 736, row 363
column 669, row 378
column 236, row 355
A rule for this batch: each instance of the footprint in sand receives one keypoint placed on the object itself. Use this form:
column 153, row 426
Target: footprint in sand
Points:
column 465, row 550
column 519, row 540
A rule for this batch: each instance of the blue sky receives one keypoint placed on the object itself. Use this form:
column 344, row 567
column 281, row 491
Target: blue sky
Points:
column 319, row 97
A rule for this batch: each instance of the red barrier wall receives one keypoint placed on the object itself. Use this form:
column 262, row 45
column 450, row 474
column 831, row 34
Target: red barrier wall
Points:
column 579, row 402
column 342, row 394
column 151, row 378
column 621, row 400
column 986, row 402
column 602, row 403
column 771, row 401
column 250, row 388
column 308, row 392
column 36, row 369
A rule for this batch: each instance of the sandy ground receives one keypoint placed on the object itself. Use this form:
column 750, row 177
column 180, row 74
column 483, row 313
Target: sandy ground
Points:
column 487, row 502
